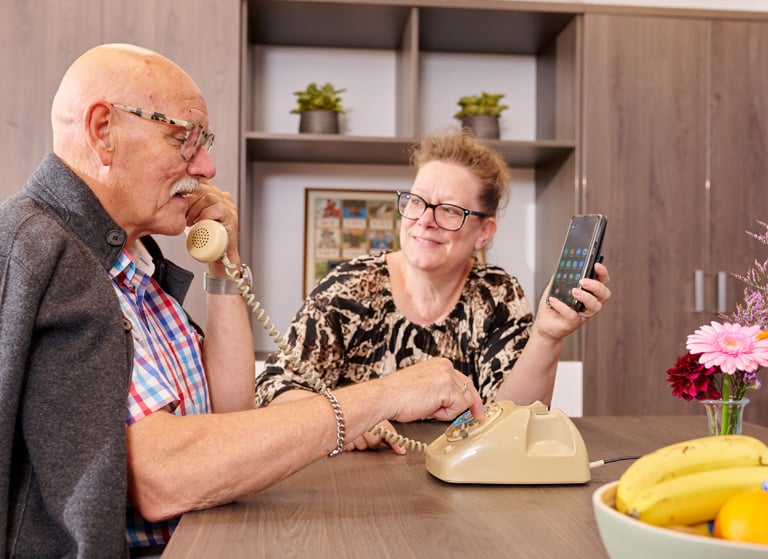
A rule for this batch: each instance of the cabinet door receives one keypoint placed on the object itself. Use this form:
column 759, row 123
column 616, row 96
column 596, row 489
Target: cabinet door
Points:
column 644, row 132
column 739, row 160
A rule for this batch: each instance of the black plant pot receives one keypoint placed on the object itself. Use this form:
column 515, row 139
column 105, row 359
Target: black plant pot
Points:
column 319, row 122
column 482, row 126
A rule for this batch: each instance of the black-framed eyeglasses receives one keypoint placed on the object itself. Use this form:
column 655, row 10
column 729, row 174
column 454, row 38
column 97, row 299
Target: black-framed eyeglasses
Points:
column 447, row 216
column 195, row 137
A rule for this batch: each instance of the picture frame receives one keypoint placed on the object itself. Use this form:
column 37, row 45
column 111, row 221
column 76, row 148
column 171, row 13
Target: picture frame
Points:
column 341, row 224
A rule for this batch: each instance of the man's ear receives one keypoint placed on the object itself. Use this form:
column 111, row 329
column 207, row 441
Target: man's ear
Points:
column 100, row 131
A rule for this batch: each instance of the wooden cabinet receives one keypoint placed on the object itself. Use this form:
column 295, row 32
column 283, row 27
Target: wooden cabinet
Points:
column 674, row 139
column 738, row 162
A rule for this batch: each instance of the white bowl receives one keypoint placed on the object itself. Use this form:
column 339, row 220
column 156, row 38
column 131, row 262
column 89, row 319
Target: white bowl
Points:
column 627, row 538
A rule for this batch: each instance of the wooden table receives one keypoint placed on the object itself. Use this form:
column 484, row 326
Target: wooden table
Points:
column 379, row 504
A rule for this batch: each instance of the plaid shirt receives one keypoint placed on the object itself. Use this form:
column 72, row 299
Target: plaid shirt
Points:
column 167, row 366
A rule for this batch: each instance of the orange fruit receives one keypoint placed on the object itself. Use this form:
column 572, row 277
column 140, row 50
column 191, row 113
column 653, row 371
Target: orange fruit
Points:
column 743, row 518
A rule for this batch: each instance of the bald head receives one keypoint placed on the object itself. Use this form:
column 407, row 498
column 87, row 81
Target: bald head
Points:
column 113, row 73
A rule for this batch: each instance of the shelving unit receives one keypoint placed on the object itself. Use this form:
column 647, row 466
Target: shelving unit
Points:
column 502, row 36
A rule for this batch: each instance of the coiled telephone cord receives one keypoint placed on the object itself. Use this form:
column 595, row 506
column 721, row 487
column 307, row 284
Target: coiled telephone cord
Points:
column 399, row 440
column 313, row 379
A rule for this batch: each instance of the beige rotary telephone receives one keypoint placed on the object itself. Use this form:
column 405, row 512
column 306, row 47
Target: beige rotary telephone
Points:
column 512, row 445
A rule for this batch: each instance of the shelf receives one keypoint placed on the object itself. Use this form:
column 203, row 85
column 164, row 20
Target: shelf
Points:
column 321, row 148
column 451, row 27
column 484, row 31
column 312, row 24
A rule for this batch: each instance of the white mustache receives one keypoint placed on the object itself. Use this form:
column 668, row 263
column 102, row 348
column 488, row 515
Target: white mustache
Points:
column 185, row 186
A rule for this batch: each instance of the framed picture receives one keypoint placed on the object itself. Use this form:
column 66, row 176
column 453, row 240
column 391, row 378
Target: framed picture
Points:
column 342, row 224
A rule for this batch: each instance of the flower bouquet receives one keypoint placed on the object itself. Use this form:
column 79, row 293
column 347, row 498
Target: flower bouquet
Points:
column 723, row 359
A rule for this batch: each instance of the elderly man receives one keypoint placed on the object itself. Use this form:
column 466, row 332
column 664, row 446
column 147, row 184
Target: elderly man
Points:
column 108, row 389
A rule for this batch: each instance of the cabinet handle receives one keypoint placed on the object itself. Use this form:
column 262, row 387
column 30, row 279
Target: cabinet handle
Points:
column 698, row 291
column 722, row 279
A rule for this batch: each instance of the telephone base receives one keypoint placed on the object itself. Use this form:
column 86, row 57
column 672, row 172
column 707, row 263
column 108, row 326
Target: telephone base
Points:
column 513, row 445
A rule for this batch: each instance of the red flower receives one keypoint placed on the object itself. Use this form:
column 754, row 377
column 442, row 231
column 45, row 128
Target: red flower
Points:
column 690, row 379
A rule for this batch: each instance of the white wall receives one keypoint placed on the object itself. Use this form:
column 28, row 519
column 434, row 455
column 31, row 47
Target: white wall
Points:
column 368, row 76
column 278, row 215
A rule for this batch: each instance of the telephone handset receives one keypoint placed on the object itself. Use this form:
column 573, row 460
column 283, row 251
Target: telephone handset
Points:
column 207, row 241
column 512, row 445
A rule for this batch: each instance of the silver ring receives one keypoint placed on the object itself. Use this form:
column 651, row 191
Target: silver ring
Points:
column 464, row 387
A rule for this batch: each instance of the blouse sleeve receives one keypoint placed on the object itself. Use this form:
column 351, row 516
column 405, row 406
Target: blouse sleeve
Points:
column 315, row 337
column 507, row 322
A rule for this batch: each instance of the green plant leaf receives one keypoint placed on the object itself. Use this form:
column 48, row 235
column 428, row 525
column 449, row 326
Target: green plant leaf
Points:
column 314, row 98
column 483, row 104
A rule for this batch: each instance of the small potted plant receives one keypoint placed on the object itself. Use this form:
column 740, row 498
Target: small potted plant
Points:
column 481, row 113
column 319, row 108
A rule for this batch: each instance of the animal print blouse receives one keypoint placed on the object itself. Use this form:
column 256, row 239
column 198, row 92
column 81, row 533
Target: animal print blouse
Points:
column 349, row 330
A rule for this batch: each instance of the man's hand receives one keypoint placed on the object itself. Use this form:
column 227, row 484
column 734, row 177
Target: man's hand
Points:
column 432, row 388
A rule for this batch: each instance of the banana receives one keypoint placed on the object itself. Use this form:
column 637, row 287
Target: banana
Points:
column 686, row 458
column 696, row 497
column 700, row 529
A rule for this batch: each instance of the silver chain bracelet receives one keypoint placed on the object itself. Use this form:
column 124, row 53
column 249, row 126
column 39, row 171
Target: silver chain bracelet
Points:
column 340, row 426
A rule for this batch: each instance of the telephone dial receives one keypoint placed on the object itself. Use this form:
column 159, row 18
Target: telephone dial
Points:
column 511, row 445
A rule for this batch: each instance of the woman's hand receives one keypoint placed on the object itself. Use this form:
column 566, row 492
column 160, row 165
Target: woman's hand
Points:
column 556, row 320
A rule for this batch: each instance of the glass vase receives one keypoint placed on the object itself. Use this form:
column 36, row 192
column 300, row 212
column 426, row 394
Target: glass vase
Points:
column 724, row 417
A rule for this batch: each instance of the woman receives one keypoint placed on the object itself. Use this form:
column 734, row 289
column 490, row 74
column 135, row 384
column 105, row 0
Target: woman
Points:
column 433, row 298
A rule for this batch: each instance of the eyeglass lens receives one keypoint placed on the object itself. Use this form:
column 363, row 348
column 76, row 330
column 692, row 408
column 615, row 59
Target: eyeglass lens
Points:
column 195, row 139
column 447, row 216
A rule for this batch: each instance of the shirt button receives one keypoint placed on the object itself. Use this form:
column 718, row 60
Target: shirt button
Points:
column 115, row 237
column 127, row 325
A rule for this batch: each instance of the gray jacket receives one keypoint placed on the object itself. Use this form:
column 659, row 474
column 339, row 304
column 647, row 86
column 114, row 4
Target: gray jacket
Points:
column 66, row 357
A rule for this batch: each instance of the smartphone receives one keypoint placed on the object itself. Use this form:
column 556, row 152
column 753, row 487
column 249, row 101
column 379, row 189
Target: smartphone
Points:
column 581, row 250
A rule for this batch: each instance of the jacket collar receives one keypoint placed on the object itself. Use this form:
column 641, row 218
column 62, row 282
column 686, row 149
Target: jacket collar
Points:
column 54, row 185
column 57, row 187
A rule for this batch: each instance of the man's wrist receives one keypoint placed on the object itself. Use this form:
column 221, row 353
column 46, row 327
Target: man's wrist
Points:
column 228, row 286
column 219, row 286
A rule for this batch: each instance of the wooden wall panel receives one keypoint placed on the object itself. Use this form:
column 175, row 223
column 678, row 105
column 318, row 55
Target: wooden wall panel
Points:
column 39, row 39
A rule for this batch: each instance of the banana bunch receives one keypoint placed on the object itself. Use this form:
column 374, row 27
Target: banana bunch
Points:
column 686, row 483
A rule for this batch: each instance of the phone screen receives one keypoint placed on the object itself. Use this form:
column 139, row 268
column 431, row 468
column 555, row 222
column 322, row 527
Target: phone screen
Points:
column 578, row 256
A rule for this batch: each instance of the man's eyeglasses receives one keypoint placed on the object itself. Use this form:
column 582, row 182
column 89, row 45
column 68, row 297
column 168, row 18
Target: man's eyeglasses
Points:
column 195, row 137
column 447, row 216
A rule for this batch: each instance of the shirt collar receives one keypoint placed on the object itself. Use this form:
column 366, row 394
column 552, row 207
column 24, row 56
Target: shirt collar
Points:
column 133, row 266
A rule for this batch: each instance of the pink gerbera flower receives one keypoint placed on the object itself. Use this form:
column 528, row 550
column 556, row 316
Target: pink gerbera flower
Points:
column 732, row 347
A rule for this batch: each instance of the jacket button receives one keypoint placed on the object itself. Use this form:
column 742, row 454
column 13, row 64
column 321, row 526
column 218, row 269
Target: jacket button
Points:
column 115, row 237
column 127, row 325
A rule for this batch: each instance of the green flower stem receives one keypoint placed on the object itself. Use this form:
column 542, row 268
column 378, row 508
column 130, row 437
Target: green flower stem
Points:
column 725, row 424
